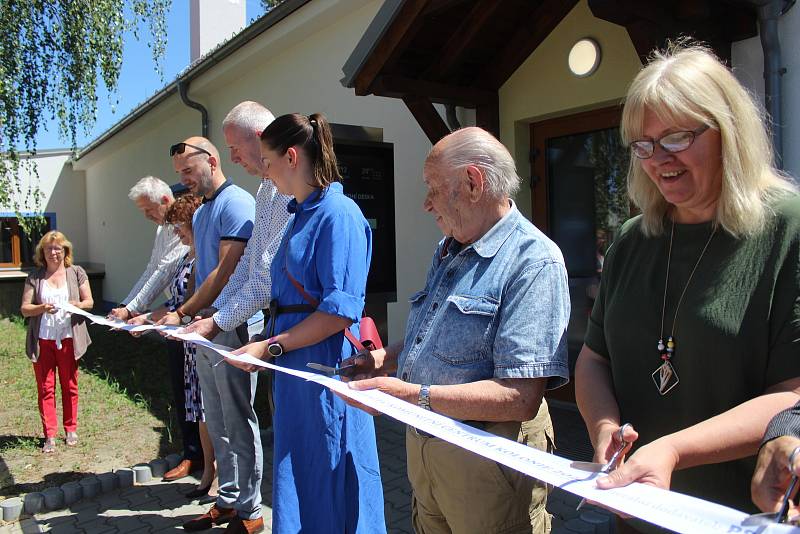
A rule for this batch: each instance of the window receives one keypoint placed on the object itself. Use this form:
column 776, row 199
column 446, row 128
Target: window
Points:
column 16, row 248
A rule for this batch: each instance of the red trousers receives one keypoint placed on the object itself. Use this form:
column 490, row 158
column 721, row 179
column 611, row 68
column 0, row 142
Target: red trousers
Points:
column 50, row 359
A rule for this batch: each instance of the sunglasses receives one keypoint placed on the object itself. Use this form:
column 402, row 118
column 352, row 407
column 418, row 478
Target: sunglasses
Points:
column 672, row 142
column 180, row 148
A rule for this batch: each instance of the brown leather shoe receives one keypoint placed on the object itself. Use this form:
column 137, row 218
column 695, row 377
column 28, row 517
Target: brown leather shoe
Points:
column 183, row 469
column 214, row 516
column 245, row 526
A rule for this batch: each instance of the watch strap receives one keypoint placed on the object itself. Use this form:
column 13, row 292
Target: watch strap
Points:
column 424, row 400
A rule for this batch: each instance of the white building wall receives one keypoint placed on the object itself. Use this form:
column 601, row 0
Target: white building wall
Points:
column 63, row 193
column 747, row 59
column 293, row 67
column 213, row 21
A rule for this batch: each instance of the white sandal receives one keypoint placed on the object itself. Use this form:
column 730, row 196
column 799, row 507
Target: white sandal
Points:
column 49, row 446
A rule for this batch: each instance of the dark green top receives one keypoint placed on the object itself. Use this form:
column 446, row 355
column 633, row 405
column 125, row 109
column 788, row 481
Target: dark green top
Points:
column 737, row 332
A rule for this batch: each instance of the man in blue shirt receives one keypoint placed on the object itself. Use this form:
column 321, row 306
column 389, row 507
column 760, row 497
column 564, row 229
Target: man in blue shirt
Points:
column 485, row 338
column 222, row 226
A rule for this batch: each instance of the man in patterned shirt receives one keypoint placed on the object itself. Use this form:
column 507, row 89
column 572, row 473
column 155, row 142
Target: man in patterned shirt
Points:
column 249, row 288
column 153, row 197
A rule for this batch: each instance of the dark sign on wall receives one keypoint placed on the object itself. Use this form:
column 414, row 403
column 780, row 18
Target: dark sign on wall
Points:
column 367, row 169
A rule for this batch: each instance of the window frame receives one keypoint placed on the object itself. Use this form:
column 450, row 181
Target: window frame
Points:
column 17, row 262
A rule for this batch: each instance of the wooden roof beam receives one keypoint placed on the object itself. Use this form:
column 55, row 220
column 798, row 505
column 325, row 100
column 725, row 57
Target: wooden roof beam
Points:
column 461, row 39
column 437, row 6
column 487, row 116
column 427, row 117
column 547, row 15
column 400, row 87
column 391, row 44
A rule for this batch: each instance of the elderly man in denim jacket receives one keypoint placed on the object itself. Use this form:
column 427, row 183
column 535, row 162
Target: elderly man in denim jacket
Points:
column 484, row 339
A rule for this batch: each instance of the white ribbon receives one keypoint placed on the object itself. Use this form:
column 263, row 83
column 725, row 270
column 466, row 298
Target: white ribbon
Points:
column 668, row 509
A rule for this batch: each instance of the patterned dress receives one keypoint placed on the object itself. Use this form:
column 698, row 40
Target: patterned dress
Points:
column 180, row 284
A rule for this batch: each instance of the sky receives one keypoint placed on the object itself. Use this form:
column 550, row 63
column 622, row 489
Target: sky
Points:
column 138, row 79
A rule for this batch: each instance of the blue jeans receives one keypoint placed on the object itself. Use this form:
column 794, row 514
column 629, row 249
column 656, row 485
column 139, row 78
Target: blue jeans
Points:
column 228, row 395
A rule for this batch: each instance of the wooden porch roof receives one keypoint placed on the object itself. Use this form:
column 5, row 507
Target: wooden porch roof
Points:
column 462, row 51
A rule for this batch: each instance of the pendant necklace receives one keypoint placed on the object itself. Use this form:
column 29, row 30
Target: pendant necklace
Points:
column 665, row 376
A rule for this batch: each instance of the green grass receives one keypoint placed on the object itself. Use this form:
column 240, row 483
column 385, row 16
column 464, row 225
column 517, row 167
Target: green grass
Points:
column 123, row 418
column 124, row 415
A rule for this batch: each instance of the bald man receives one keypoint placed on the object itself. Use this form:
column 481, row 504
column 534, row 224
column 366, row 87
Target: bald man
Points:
column 482, row 349
column 222, row 227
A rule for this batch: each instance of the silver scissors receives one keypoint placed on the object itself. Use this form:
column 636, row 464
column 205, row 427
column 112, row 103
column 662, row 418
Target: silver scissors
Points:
column 782, row 515
column 596, row 467
column 327, row 369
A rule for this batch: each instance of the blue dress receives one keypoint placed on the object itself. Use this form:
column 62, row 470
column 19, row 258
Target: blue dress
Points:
column 326, row 476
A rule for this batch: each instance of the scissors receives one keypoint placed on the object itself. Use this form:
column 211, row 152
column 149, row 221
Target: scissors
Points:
column 596, row 467
column 327, row 369
column 782, row 515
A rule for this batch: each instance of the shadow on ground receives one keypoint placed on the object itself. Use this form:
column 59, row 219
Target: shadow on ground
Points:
column 50, row 480
column 138, row 368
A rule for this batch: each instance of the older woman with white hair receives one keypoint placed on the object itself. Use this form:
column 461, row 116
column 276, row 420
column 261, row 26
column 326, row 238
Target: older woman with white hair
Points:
column 695, row 332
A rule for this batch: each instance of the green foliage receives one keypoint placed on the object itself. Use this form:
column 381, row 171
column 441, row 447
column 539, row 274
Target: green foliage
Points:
column 53, row 54
column 610, row 159
column 269, row 4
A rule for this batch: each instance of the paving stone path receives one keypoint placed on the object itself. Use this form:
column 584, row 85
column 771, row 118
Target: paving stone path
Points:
column 161, row 506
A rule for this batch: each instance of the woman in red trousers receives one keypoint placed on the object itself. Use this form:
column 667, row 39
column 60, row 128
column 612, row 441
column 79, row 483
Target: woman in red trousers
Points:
column 56, row 338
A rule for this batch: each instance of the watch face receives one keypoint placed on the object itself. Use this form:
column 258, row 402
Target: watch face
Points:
column 186, row 319
column 275, row 349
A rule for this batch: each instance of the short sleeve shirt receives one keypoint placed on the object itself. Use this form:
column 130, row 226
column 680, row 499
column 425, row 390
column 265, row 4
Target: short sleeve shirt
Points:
column 226, row 216
column 736, row 332
column 497, row 308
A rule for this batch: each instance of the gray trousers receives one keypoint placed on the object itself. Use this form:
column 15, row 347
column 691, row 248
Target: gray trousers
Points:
column 228, row 395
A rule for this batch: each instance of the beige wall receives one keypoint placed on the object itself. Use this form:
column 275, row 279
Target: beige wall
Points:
column 63, row 192
column 294, row 67
column 543, row 87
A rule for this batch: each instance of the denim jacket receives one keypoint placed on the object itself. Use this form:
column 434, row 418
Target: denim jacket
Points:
column 497, row 308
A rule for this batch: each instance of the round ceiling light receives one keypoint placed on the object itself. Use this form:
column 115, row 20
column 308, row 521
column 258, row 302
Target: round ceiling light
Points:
column 584, row 57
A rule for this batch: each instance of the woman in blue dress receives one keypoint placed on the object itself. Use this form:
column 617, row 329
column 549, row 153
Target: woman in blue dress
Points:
column 326, row 477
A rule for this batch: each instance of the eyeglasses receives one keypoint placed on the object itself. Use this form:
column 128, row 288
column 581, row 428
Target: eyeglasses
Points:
column 671, row 143
column 180, row 148
column 57, row 250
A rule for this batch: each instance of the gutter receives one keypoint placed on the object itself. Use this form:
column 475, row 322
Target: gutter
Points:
column 183, row 89
column 258, row 27
column 769, row 11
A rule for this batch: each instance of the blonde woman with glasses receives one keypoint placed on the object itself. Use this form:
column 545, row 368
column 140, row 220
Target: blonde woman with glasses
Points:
column 695, row 334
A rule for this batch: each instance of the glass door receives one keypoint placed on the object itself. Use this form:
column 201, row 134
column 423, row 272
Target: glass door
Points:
column 580, row 200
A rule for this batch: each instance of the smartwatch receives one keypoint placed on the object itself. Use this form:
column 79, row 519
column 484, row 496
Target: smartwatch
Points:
column 274, row 348
column 424, row 400
column 185, row 319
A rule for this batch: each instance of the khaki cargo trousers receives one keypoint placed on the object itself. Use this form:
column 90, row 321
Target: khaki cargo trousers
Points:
column 458, row 492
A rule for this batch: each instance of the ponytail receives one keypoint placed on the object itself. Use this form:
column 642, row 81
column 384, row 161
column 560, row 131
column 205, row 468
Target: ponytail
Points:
column 310, row 134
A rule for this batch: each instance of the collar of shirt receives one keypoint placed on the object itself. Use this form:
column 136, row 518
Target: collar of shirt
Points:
column 490, row 242
column 218, row 191
column 314, row 199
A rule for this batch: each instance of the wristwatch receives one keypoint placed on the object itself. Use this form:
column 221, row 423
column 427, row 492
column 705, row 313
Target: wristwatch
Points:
column 274, row 348
column 185, row 319
column 424, row 400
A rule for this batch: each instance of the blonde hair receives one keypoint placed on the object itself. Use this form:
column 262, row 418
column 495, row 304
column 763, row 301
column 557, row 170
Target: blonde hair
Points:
column 49, row 237
column 687, row 83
